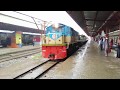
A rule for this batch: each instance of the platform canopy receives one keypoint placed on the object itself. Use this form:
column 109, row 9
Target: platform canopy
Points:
column 13, row 21
column 93, row 22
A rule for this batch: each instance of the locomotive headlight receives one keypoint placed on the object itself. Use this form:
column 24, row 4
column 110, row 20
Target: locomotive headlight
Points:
column 56, row 25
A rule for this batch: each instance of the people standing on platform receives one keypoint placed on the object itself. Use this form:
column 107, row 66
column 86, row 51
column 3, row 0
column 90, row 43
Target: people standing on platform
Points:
column 101, row 43
column 20, row 42
column 34, row 41
column 111, row 44
column 106, row 46
column 8, row 40
column 118, row 47
column 104, row 43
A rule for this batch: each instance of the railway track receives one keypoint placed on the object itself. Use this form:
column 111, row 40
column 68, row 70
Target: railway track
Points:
column 17, row 55
column 18, row 51
column 38, row 71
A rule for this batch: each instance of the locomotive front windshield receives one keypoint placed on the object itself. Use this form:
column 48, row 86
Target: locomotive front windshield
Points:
column 53, row 32
column 53, row 29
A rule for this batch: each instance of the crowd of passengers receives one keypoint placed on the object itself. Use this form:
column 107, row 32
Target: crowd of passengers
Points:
column 106, row 45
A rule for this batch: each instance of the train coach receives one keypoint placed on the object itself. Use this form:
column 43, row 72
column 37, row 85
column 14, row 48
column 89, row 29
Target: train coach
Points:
column 60, row 41
column 114, row 36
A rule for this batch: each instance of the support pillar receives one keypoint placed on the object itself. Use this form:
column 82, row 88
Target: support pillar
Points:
column 15, row 39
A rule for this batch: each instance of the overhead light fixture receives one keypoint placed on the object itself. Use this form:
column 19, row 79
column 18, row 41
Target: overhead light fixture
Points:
column 31, row 33
column 6, row 31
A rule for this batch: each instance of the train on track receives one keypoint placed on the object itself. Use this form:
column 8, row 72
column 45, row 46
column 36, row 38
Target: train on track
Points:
column 27, row 39
column 60, row 41
column 114, row 35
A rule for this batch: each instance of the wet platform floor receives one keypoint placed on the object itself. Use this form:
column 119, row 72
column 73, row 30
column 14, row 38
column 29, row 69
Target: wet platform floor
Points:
column 89, row 63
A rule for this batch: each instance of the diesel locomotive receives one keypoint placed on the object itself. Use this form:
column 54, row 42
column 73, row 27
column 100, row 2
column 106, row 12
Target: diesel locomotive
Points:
column 60, row 41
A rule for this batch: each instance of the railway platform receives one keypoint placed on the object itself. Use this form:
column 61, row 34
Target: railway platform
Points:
column 87, row 63
column 90, row 63
column 4, row 51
